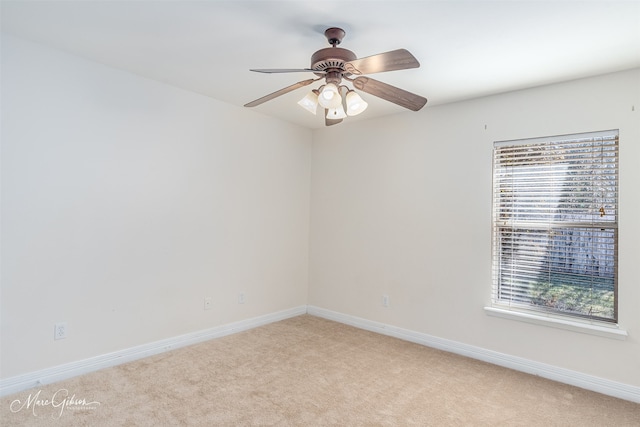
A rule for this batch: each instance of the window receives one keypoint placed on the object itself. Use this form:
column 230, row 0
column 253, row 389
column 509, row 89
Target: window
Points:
column 555, row 232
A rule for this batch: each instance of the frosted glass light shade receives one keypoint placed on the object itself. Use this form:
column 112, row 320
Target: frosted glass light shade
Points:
column 336, row 113
column 330, row 96
column 310, row 102
column 355, row 104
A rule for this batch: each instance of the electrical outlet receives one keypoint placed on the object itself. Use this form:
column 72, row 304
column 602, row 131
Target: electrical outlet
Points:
column 241, row 298
column 207, row 303
column 385, row 300
column 60, row 331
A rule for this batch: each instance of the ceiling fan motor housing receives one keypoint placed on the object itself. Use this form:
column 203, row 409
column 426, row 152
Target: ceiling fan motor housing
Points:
column 331, row 59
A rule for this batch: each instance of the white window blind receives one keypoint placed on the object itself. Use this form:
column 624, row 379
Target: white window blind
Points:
column 555, row 233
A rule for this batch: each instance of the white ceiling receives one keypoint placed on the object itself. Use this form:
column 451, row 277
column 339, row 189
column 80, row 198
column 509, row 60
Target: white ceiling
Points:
column 467, row 49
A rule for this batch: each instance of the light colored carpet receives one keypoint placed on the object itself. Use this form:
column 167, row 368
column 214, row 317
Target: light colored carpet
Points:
column 308, row 371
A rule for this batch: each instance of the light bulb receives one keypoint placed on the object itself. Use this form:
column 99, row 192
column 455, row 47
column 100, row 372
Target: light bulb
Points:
column 330, row 97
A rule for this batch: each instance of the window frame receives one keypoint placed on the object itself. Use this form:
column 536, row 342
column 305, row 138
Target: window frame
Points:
column 527, row 311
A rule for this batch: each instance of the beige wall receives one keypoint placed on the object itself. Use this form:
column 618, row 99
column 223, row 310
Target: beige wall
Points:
column 126, row 202
column 402, row 206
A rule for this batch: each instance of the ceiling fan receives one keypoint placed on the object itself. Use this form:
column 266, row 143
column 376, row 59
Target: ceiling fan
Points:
column 333, row 64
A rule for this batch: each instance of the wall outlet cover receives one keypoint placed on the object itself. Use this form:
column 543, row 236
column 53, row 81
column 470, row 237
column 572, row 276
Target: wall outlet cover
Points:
column 60, row 331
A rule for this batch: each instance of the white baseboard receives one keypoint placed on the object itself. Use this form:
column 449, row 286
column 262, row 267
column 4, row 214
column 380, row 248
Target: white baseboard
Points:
column 69, row 370
column 566, row 376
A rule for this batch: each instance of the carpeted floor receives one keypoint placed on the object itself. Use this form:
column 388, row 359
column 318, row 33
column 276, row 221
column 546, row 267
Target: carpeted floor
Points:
column 308, row 371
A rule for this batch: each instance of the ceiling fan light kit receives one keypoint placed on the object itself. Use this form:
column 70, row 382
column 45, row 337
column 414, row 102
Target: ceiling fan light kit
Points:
column 333, row 64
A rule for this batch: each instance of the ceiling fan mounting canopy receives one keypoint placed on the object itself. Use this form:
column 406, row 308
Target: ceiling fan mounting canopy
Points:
column 334, row 63
column 334, row 35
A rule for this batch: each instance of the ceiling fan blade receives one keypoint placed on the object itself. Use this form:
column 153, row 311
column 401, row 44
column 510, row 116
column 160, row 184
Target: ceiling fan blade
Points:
column 399, row 59
column 280, row 92
column 390, row 93
column 286, row 70
column 328, row 121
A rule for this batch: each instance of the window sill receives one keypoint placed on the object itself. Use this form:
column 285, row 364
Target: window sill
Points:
column 612, row 331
